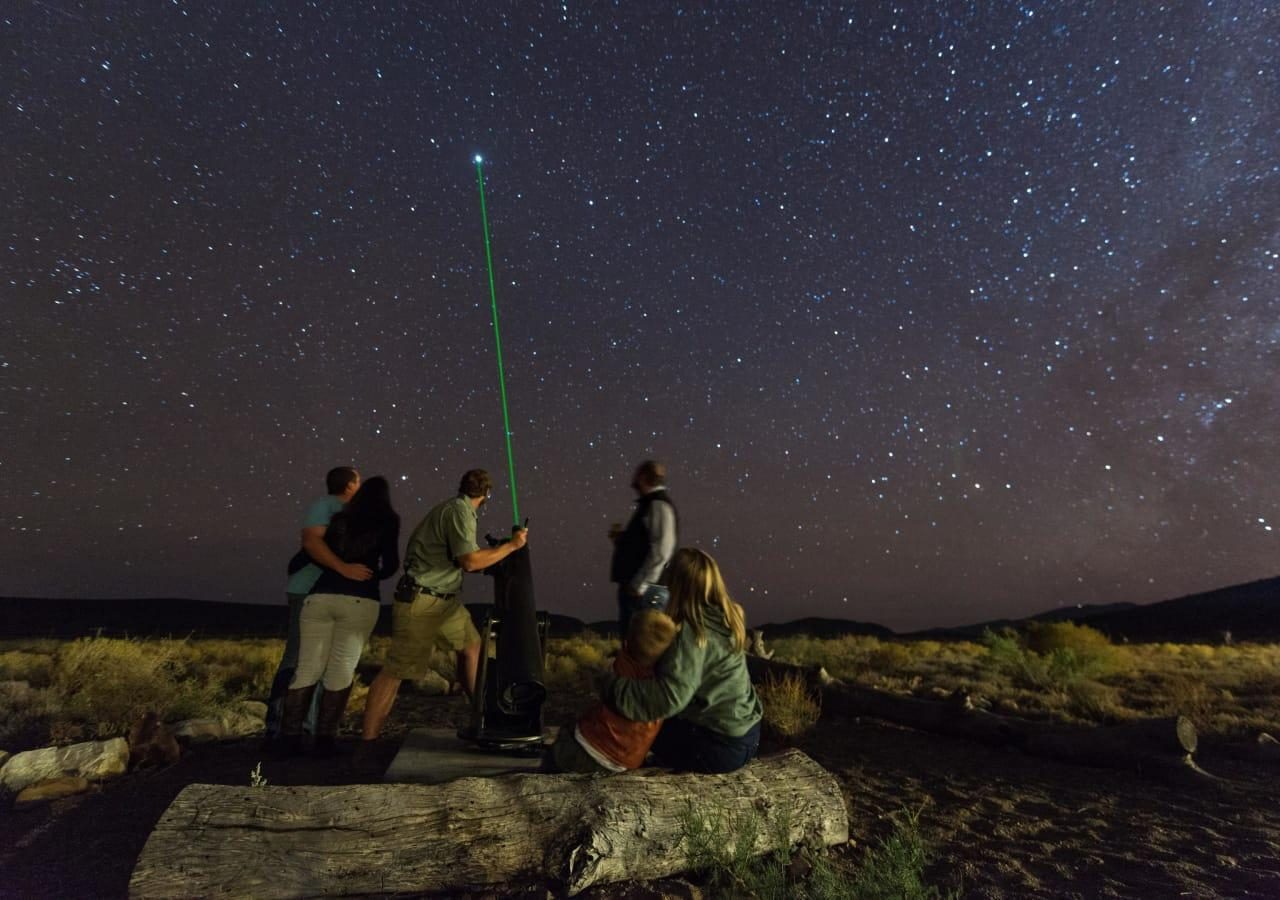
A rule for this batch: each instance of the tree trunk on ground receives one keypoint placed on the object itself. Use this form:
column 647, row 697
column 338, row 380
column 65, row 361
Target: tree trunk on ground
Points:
column 1153, row 746
column 573, row 830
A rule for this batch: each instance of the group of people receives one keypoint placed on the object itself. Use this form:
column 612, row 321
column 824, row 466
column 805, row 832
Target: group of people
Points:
column 678, row 691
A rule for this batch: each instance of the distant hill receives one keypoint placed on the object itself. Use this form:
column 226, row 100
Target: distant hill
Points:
column 824, row 628
column 1250, row 612
column 149, row 617
column 38, row 617
column 1086, row 612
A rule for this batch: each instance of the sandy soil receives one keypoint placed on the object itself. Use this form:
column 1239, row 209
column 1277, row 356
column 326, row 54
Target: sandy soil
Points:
column 1001, row 824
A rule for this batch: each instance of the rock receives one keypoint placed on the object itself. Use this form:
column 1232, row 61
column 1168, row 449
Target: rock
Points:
column 238, row 723
column 94, row 760
column 51, row 789
column 151, row 743
column 4, row 757
column 433, row 685
column 200, row 731
column 241, row 720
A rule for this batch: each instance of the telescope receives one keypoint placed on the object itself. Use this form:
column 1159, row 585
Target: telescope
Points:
column 506, row 708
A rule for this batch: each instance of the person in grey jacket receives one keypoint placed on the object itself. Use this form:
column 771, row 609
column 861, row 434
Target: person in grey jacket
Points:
column 701, row 685
column 642, row 550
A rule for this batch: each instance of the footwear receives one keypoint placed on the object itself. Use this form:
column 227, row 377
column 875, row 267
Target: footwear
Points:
column 296, row 704
column 333, row 704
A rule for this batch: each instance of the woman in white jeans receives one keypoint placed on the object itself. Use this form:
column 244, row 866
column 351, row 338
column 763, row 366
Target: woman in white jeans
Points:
column 339, row 614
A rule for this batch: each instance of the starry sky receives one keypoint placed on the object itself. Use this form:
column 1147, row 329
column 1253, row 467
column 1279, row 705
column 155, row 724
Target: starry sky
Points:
column 936, row 311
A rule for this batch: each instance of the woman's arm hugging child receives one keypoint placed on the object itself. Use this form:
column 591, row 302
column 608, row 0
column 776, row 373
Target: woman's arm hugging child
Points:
column 603, row 740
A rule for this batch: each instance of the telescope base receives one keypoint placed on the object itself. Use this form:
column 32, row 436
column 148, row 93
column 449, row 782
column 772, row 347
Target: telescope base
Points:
column 438, row 755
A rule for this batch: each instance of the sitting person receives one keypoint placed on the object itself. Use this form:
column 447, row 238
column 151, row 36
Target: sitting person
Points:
column 700, row 685
column 340, row 613
column 602, row 740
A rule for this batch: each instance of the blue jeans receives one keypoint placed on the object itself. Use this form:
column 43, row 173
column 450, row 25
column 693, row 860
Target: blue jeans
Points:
column 691, row 748
column 284, row 674
column 655, row 596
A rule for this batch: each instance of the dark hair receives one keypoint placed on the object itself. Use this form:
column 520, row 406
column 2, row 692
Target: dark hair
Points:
column 354, row 531
column 337, row 480
column 475, row 483
column 652, row 471
column 370, row 506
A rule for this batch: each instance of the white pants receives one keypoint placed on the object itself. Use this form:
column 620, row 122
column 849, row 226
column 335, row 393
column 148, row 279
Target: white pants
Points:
column 333, row 630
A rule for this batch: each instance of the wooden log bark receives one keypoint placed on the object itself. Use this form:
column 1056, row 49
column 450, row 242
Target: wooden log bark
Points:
column 1163, row 746
column 571, row 830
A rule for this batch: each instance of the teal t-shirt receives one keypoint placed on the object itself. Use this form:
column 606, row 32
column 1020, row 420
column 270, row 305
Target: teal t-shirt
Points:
column 319, row 512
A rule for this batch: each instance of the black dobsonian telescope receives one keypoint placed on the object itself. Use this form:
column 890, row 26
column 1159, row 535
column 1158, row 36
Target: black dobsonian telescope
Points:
column 506, row 710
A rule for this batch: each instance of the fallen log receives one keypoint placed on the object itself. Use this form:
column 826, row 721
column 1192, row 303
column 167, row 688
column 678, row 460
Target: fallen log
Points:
column 574, row 831
column 1162, row 746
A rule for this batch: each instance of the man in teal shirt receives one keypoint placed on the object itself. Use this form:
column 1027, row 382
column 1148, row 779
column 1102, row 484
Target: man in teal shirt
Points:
column 342, row 483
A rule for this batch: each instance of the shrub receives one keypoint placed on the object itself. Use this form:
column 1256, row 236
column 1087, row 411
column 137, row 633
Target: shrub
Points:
column 889, row 658
column 723, row 849
column 892, row 868
column 23, row 665
column 1094, row 702
column 790, row 707
column 1051, row 655
column 107, row 683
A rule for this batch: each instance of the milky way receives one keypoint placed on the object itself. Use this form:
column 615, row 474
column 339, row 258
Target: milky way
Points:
column 935, row 312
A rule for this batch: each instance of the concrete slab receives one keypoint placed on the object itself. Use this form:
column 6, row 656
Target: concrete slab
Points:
column 437, row 755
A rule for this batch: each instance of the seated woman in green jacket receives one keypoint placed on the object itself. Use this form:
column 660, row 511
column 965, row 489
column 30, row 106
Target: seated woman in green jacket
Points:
column 700, row 685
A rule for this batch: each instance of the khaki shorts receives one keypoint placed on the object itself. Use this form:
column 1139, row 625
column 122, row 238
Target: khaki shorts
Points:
column 422, row 625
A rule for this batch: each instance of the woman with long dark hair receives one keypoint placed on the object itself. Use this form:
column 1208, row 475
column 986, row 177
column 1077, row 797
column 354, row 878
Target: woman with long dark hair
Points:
column 339, row 614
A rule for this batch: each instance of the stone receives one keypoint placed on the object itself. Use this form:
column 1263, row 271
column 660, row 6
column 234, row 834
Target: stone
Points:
column 242, row 719
column 236, row 723
column 151, row 743
column 433, row 685
column 51, row 789
column 200, row 731
column 4, row 757
column 94, row 760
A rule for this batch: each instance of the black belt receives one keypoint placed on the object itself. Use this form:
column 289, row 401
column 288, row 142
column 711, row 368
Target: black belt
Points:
column 414, row 588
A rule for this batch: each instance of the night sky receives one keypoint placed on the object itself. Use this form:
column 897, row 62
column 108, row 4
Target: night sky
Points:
column 936, row 312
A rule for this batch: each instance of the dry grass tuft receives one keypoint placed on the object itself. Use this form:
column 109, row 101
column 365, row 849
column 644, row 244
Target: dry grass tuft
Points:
column 791, row 708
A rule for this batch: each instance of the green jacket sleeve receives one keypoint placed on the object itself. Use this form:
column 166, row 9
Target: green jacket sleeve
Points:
column 677, row 677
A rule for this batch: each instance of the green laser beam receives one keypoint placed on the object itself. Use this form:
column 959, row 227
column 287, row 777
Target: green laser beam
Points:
column 497, row 341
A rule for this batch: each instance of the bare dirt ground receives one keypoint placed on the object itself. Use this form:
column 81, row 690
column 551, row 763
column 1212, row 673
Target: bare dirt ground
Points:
column 1001, row 824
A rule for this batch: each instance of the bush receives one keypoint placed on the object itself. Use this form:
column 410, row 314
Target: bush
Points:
column 1051, row 655
column 23, row 665
column 790, row 707
column 893, row 868
column 889, row 658
column 723, row 849
column 108, row 683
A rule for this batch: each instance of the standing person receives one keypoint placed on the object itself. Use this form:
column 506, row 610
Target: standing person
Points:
column 700, row 686
column 642, row 550
column 427, row 611
column 341, row 482
column 340, row 613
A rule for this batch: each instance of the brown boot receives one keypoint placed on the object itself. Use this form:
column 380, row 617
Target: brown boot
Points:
column 333, row 705
column 296, row 703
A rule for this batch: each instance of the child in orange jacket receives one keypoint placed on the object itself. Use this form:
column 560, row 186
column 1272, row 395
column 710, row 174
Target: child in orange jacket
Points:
column 602, row 740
